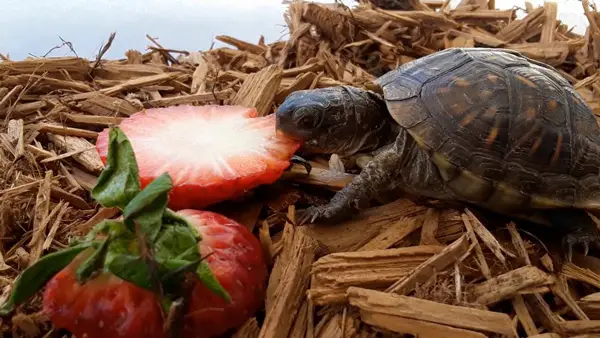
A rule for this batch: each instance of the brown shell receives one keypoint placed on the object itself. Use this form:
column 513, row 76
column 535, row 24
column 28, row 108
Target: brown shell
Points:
column 504, row 130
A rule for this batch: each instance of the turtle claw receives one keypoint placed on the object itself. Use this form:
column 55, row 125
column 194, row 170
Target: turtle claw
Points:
column 581, row 238
column 309, row 215
column 306, row 216
column 299, row 160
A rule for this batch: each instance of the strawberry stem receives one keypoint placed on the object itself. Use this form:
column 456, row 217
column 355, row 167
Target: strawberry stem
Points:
column 92, row 263
column 148, row 256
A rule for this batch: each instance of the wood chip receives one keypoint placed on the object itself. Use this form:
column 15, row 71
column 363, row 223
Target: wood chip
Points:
column 259, row 89
column 139, row 83
column 73, row 65
column 371, row 301
column 105, row 121
column 318, row 177
column 99, row 104
column 488, row 239
column 504, row 286
column 241, row 45
column 250, row 329
column 430, row 227
column 376, row 269
column 419, row 328
column 67, row 131
column 524, row 316
column 42, row 208
column 392, row 235
column 424, row 271
column 81, row 150
column 292, row 286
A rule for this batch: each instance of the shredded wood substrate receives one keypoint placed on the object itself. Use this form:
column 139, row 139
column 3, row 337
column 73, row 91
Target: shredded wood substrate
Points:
column 398, row 269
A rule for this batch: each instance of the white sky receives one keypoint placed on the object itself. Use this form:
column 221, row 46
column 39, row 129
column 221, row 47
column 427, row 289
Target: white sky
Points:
column 34, row 26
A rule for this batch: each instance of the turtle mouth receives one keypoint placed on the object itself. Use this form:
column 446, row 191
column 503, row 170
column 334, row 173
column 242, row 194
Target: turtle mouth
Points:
column 294, row 136
column 286, row 128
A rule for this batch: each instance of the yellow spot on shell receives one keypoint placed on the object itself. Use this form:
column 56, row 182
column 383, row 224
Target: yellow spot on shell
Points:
column 557, row 149
column 458, row 108
column 459, row 81
column 552, row 104
column 526, row 137
column 526, row 81
column 493, row 78
column 531, row 113
column 536, row 144
column 490, row 112
column 486, row 94
column 493, row 133
column 469, row 118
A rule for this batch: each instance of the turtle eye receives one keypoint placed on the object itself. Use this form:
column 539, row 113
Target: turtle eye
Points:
column 304, row 119
column 307, row 121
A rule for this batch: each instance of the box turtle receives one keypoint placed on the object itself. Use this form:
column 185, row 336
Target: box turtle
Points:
column 481, row 126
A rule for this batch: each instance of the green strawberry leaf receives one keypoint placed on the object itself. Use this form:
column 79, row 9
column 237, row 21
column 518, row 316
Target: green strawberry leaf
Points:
column 132, row 268
column 35, row 276
column 111, row 228
column 206, row 276
column 119, row 182
column 148, row 207
column 166, row 304
column 203, row 271
column 176, row 242
column 172, row 279
column 171, row 217
column 93, row 263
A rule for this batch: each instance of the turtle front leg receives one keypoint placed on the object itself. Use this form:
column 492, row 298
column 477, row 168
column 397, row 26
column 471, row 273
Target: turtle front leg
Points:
column 581, row 230
column 402, row 167
column 583, row 237
column 377, row 176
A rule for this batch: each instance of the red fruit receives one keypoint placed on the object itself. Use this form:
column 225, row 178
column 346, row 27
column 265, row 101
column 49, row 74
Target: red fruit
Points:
column 238, row 263
column 213, row 153
column 105, row 306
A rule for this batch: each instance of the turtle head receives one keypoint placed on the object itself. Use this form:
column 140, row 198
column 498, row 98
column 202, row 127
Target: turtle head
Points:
column 332, row 120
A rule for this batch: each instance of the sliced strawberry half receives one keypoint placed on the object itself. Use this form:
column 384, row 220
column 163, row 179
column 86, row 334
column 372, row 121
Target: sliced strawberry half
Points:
column 213, row 153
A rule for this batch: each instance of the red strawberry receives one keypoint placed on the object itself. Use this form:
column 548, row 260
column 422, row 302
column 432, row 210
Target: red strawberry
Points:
column 213, row 153
column 108, row 306
column 105, row 306
column 238, row 264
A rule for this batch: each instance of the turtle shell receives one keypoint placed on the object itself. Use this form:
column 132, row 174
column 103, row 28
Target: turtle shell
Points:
column 505, row 131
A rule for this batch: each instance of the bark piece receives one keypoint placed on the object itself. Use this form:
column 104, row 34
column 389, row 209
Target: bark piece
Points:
column 371, row 301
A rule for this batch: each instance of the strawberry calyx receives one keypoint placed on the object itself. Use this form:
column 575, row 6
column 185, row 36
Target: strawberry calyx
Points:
column 151, row 246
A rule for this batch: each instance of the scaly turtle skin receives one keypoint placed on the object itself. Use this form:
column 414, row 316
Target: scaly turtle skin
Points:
column 480, row 126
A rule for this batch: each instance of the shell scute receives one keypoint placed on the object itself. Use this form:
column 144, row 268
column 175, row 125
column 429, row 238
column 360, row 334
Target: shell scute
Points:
column 405, row 82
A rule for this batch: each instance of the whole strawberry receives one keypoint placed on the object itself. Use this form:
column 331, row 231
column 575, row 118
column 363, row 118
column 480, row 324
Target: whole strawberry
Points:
column 235, row 258
column 109, row 306
column 105, row 306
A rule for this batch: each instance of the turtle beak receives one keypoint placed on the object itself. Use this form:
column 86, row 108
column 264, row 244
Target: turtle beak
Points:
column 285, row 127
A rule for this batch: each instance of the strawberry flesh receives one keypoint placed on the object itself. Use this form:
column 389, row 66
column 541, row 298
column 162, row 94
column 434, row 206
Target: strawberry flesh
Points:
column 236, row 260
column 213, row 153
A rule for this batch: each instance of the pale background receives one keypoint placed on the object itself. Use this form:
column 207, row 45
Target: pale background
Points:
column 34, row 26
